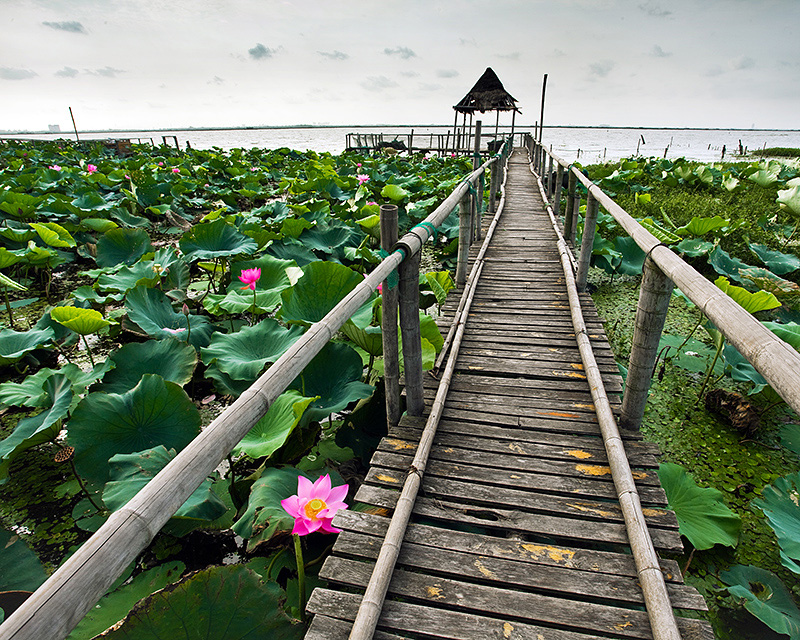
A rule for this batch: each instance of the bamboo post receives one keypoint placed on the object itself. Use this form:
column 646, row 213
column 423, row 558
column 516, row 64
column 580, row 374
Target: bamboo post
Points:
column 587, row 242
column 569, row 212
column 550, row 184
column 651, row 313
column 493, row 186
column 412, row 340
column 391, row 357
column 477, row 197
column 464, row 233
column 557, row 190
column 74, row 126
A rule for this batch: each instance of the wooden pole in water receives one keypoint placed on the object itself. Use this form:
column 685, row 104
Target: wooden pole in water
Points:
column 651, row 314
column 463, row 239
column 412, row 340
column 587, row 241
column 557, row 190
column 541, row 115
column 77, row 139
column 391, row 356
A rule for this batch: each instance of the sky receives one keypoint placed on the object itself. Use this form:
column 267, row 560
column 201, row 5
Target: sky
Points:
column 141, row 64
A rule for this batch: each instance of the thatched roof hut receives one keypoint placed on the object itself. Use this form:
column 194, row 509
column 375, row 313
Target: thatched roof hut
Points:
column 488, row 94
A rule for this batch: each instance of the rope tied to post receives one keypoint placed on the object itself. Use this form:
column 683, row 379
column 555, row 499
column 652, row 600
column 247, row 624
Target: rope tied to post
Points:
column 432, row 230
column 649, row 251
column 393, row 279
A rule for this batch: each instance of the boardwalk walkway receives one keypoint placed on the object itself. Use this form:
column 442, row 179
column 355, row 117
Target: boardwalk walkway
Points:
column 516, row 532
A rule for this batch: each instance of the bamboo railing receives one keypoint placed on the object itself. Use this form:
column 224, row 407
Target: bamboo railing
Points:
column 777, row 361
column 60, row 603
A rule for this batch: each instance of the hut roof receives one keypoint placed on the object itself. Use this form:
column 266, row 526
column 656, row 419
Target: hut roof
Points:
column 488, row 94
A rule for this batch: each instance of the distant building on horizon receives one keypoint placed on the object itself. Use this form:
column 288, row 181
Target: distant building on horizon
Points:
column 54, row 128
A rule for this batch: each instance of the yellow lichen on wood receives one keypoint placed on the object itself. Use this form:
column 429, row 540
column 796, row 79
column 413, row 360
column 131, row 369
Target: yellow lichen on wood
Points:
column 592, row 470
column 507, row 629
column 594, row 510
column 590, row 407
column 384, row 478
column 578, row 453
column 484, row 571
column 516, row 448
column 399, row 444
column 435, row 592
column 560, row 414
column 556, row 554
column 576, row 365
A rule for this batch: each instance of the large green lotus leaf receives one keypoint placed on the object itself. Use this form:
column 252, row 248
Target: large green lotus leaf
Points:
column 334, row 392
column 264, row 516
column 20, row 569
column 276, row 274
column 15, row 344
column 270, row 433
column 42, row 427
column 694, row 247
column 153, row 412
column 790, row 437
column 30, row 393
column 750, row 302
column 129, row 473
column 322, row 287
column 152, row 311
column 288, row 249
column 702, row 515
column 237, row 302
column 740, row 369
column 8, row 283
column 394, row 192
column 172, row 360
column 53, row 234
column 331, row 238
column 244, row 354
column 370, row 339
column 699, row 226
column 114, row 606
column 101, row 225
column 726, row 265
column 788, row 332
column 440, row 283
column 789, row 200
column 220, row 603
column 82, row 321
column 765, row 596
column 780, row 502
column 126, row 278
column 777, row 262
column 764, row 177
column 632, row 256
column 8, row 258
column 215, row 239
column 122, row 246
column 429, row 331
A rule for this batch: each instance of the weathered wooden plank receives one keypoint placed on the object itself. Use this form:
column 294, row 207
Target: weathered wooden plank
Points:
column 326, row 628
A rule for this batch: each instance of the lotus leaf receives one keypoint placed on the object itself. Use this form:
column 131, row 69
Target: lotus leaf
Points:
column 765, row 177
column 224, row 603
column 440, row 283
column 40, row 428
column 115, row 605
column 122, row 246
column 429, row 331
column 7, row 282
column 153, row 412
column 271, row 432
column 730, row 183
column 741, row 370
column 632, row 261
column 698, row 226
column 694, row 355
column 292, row 250
column 765, row 596
column 332, row 238
column 661, row 234
column 172, row 360
column 53, row 234
column 41, row 256
column 264, row 516
column 694, row 247
column 725, row 265
column 15, row 344
column 334, row 392
column 8, row 258
column 322, row 287
column 30, row 393
column 750, row 302
column 789, row 200
column 394, row 192
column 129, row 473
column 780, row 503
column 293, row 227
column 20, row 569
column 153, row 313
column 215, row 239
column 101, row 225
column 91, row 200
column 790, row 437
column 82, row 321
column 371, row 224
column 369, row 338
column 777, row 262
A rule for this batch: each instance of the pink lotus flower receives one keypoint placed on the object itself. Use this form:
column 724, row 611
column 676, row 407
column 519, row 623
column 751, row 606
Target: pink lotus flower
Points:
column 380, row 289
column 315, row 505
column 250, row 277
column 160, row 164
column 176, row 170
column 55, row 167
column 91, row 168
column 371, row 202
column 362, row 178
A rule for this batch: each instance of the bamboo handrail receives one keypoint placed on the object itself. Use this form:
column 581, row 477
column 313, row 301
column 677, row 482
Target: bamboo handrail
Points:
column 61, row 602
column 772, row 357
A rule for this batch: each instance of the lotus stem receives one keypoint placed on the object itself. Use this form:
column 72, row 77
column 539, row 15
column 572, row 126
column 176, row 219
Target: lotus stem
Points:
column 88, row 350
column 710, row 370
column 8, row 308
column 83, row 486
column 301, row 576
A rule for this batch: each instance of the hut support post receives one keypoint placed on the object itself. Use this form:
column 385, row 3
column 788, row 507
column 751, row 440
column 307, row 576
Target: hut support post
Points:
column 464, row 233
column 412, row 341
column 513, row 119
column 589, row 226
column 651, row 313
column 391, row 356
column 569, row 212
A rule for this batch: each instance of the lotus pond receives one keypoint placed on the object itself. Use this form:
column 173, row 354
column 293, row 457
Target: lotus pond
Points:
column 141, row 296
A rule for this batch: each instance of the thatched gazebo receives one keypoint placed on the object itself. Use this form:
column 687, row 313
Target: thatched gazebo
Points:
column 488, row 94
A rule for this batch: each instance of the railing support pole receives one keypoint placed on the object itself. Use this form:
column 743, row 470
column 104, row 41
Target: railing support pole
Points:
column 493, row 186
column 478, row 195
column 464, row 234
column 412, row 341
column 557, row 192
column 587, row 242
column 651, row 313
column 569, row 212
column 391, row 356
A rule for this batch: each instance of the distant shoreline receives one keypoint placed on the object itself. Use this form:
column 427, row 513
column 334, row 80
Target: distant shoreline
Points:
column 376, row 126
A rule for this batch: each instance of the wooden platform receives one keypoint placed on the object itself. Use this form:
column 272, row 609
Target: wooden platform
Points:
column 517, row 532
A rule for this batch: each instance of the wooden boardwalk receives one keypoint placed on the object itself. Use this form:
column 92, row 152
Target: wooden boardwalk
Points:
column 517, row 532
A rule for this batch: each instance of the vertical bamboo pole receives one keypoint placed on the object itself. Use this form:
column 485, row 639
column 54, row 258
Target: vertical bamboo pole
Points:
column 464, row 233
column 557, row 190
column 569, row 212
column 391, row 357
column 550, row 185
column 412, row 340
column 74, row 126
column 541, row 115
column 493, row 186
column 477, row 198
column 576, row 214
column 589, row 225
column 651, row 313
column 513, row 120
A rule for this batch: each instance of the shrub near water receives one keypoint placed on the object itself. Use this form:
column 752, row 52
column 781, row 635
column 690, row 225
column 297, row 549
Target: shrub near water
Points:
column 142, row 260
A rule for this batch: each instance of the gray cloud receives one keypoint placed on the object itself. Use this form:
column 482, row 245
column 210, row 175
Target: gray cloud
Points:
column 260, row 52
column 72, row 26
column 654, row 10
column 601, row 68
column 430, row 87
column 658, row 52
column 471, row 42
column 216, row 80
column 106, row 72
column 744, row 63
column 7, row 73
column 447, row 73
column 409, row 74
column 378, row 83
column 67, row 72
column 514, row 55
column 714, row 71
column 333, row 55
column 404, row 52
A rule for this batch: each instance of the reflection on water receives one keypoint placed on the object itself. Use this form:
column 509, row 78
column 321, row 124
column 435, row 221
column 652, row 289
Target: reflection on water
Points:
column 588, row 145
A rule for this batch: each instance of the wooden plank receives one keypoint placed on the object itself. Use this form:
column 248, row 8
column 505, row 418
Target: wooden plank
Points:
column 326, row 628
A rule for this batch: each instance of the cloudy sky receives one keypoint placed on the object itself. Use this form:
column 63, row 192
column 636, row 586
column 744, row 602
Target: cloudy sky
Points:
column 145, row 64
